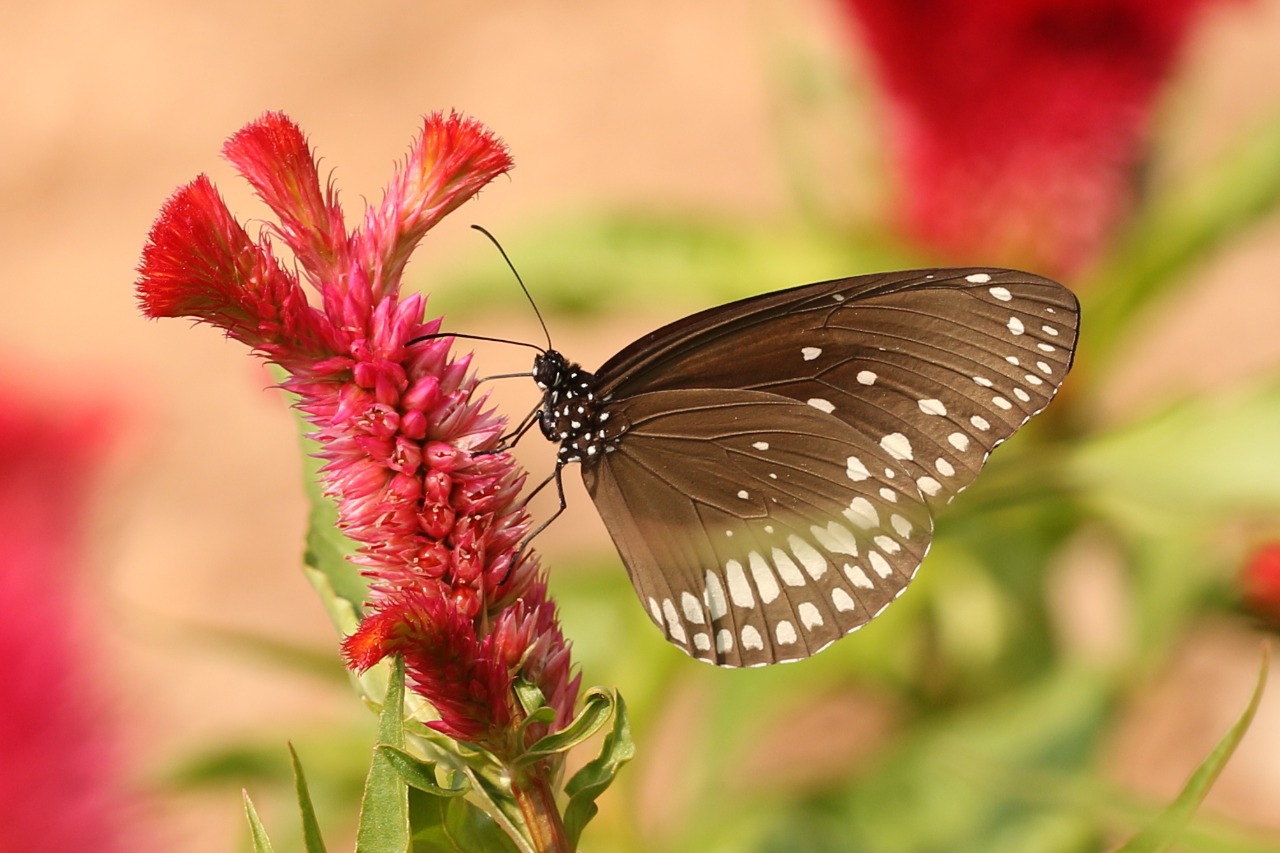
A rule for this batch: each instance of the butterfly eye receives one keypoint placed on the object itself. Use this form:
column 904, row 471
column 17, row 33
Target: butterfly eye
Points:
column 769, row 469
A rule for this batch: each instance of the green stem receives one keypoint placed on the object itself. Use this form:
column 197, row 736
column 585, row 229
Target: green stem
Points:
column 541, row 816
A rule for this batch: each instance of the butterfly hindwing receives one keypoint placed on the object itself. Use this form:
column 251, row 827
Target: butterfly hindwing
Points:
column 752, row 526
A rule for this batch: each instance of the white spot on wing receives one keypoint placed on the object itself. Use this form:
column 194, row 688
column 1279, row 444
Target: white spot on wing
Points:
column 983, row 381
column 784, row 631
column 979, row 422
column 1001, row 293
column 761, row 445
column 692, row 608
column 1002, row 403
column 944, row 467
column 959, row 441
column 856, row 471
column 675, row 628
column 713, row 596
column 751, row 638
column 836, row 538
column 888, row 545
column 724, row 641
column 810, row 616
column 857, row 576
column 842, row 600
column 896, row 445
column 821, row 404
column 929, row 486
column 866, row 377
column 810, row 353
column 1015, row 326
column 702, row 642
column 766, row 583
column 787, row 569
column 742, row 493
column 813, row 561
column 879, row 564
column 933, row 407
column 901, row 525
column 862, row 513
column 978, row 278
column 739, row 589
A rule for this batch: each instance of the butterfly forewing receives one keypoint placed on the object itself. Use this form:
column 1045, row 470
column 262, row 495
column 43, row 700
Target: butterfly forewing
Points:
column 939, row 365
column 750, row 525
column 768, row 469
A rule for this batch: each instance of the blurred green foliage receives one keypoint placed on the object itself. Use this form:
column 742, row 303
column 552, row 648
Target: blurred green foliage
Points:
column 986, row 728
column 998, row 727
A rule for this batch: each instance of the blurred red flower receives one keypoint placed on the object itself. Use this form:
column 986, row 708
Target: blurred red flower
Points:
column 1260, row 582
column 1020, row 127
column 59, row 774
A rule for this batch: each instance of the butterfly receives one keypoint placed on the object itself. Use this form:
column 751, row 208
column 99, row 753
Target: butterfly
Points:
column 769, row 469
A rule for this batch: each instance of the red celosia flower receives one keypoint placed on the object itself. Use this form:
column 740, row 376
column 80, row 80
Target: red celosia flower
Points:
column 1260, row 582
column 59, row 783
column 1020, row 125
column 437, row 524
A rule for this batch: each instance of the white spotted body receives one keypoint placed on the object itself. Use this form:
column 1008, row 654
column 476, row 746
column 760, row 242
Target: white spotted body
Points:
column 571, row 412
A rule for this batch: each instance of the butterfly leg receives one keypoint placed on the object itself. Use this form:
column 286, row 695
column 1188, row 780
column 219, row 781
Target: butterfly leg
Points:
column 556, row 476
column 508, row 441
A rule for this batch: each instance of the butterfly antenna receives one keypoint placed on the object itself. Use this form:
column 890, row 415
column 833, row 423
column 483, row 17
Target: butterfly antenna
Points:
column 512, row 267
column 436, row 335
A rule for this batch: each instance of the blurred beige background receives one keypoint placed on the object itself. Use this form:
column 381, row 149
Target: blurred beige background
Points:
column 108, row 107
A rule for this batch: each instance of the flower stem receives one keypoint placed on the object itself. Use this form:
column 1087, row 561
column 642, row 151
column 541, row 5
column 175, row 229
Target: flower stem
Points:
column 541, row 816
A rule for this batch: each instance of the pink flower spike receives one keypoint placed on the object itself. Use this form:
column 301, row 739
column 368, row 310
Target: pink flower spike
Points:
column 273, row 155
column 449, row 163
column 438, row 525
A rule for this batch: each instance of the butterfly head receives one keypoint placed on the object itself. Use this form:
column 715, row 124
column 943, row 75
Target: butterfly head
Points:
column 549, row 368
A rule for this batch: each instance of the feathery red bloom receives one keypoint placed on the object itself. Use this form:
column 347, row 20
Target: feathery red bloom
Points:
column 1020, row 126
column 437, row 525
column 59, row 785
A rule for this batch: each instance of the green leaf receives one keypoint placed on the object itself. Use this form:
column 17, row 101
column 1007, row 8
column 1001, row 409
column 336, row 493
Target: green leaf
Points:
column 310, row 826
column 453, row 824
column 419, row 773
column 1179, row 230
column 261, row 843
column 384, row 815
column 597, row 706
column 530, row 696
column 1201, row 457
column 594, row 778
column 1161, row 834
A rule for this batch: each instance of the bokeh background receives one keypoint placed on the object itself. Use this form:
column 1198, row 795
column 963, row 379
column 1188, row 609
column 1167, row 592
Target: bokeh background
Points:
column 199, row 648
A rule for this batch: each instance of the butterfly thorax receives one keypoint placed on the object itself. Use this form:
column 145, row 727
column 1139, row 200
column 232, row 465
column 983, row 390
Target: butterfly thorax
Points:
column 573, row 414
